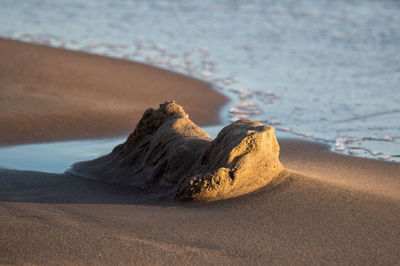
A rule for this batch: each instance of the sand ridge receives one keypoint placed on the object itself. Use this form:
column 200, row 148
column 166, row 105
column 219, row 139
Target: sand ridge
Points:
column 168, row 153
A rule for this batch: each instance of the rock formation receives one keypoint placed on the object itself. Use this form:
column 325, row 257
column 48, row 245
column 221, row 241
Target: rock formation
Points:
column 168, row 152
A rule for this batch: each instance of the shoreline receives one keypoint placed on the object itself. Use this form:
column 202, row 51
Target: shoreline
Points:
column 50, row 94
column 65, row 123
column 328, row 207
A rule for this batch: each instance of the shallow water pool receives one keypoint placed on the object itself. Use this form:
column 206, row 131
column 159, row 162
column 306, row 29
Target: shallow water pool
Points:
column 56, row 157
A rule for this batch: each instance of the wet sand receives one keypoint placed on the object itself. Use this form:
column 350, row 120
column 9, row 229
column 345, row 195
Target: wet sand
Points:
column 66, row 95
column 60, row 219
column 326, row 208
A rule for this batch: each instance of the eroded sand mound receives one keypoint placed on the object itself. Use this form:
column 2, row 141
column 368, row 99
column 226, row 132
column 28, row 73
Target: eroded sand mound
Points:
column 168, row 152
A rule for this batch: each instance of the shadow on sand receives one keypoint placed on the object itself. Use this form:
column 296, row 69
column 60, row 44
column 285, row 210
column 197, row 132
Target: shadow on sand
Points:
column 41, row 187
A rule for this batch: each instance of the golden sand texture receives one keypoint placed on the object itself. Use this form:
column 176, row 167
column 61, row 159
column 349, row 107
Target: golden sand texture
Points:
column 61, row 219
column 49, row 94
column 335, row 209
column 243, row 158
column 167, row 152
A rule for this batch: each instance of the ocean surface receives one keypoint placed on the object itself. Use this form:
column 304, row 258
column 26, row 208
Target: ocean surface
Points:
column 327, row 71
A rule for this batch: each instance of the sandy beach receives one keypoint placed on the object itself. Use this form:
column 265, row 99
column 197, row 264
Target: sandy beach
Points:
column 325, row 208
column 65, row 95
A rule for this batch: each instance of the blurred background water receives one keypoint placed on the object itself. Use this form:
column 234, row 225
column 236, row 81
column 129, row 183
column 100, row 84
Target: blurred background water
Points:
column 321, row 70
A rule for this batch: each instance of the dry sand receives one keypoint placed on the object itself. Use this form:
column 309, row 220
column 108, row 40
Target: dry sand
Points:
column 334, row 209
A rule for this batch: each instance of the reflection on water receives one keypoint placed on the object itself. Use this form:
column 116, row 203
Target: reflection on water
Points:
column 322, row 70
column 56, row 157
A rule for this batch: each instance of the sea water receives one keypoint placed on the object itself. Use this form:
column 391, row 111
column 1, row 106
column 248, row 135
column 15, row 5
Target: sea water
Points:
column 323, row 70
column 56, row 157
